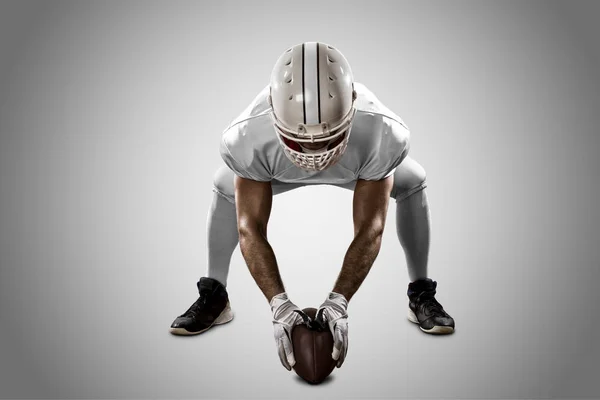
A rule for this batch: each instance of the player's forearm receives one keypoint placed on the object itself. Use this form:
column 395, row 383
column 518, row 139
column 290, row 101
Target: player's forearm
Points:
column 357, row 263
column 261, row 261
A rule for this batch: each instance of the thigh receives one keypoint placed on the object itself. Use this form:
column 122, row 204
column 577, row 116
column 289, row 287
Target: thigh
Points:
column 409, row 178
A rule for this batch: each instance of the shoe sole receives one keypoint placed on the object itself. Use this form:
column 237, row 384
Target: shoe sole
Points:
column 436, row 330
column 223, row 318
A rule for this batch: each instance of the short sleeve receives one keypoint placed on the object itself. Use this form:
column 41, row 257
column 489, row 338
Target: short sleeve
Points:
column 388, row 153
column 249, row 170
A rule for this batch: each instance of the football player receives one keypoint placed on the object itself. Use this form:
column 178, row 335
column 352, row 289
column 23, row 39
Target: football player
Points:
column 313, row 124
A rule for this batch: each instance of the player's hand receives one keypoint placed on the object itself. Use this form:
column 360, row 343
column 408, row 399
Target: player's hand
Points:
column 334, row 313
column 286, row 315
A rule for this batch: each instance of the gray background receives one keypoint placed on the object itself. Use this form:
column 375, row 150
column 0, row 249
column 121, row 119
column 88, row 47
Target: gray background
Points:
column 110, row 119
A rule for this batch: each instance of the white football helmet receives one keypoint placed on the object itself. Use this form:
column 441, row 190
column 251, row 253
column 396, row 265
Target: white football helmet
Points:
column 312, row 96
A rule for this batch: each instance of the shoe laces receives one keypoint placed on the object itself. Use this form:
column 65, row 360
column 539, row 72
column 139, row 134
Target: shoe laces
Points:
column 427, row 301
column 198, row 305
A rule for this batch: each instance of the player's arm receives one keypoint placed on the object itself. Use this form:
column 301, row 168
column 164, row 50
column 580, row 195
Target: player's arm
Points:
column 253, row 206
column 369, row 209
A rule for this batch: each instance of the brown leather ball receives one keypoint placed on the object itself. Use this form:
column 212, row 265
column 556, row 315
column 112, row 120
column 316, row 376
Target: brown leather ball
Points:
column 313, row 345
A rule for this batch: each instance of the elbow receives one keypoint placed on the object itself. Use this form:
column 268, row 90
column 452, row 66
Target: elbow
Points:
column 248, row 229
column 372, row 233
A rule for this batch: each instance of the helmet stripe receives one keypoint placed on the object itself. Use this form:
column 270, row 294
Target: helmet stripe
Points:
column 303, row 91
column 303, row 95
column 311, row 83
column 318, row 81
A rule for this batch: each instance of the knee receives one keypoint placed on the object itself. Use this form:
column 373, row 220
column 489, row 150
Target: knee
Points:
column 223, row 183
column 410, row 177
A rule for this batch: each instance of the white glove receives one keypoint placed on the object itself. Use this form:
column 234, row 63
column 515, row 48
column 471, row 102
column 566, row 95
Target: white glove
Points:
column 334, row 313
column 285, row 318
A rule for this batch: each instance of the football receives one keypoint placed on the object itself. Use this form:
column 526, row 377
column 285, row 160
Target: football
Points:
column 313, row 344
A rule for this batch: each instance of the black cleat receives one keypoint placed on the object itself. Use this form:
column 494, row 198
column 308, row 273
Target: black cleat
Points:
column 211, row 308
column 425, row 310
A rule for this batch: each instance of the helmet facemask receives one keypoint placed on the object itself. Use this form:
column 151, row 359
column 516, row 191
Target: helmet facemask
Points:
column 334, row 142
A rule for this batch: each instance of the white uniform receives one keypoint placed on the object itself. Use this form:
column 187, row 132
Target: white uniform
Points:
column 377, row 147
column 378, row 143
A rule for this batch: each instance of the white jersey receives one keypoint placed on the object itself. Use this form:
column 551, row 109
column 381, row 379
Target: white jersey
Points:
column 378, row 142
